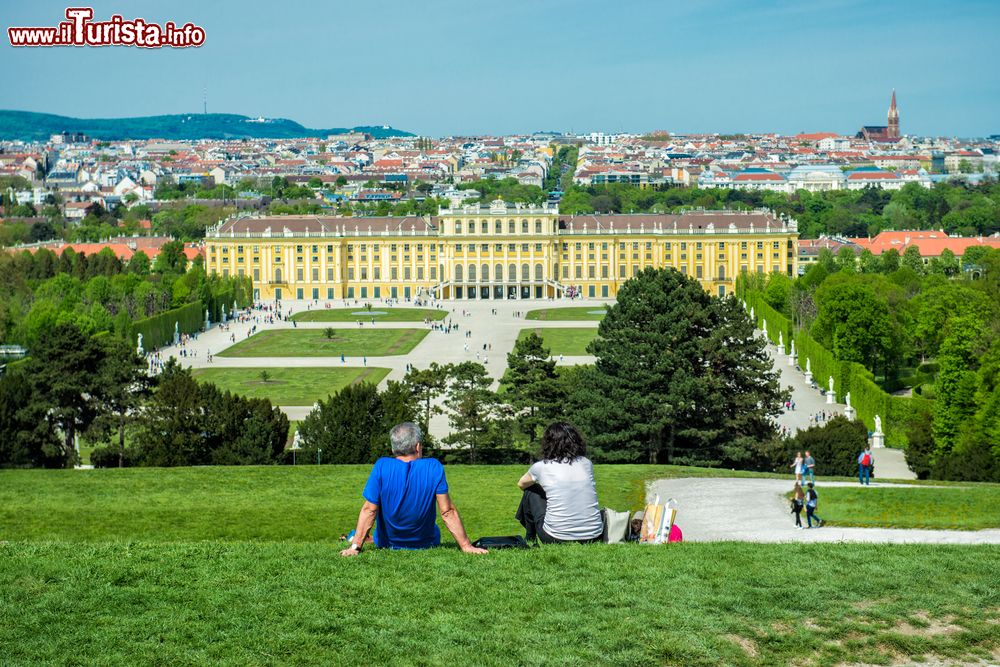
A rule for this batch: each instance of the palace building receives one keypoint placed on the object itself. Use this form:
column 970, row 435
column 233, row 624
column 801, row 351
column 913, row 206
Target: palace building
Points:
column 495, row 251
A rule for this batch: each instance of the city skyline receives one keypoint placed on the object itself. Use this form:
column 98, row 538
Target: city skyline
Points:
column 445, row 69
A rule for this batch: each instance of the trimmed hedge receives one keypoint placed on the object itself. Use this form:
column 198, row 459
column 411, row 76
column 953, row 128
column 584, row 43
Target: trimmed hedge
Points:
column 776, row 322
column 158, row 330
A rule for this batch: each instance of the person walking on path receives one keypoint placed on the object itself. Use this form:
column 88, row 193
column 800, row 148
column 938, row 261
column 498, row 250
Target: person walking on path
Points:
column 798, row 502
column 812, row 499
column 797, row 465
column 865, row 462
column 809, row 467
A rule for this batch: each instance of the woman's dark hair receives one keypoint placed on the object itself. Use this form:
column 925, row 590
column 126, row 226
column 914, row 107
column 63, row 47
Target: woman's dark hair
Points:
column 562, row 443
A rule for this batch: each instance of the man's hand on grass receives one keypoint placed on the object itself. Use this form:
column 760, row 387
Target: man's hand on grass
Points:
column 350, row 551
column 469, row 549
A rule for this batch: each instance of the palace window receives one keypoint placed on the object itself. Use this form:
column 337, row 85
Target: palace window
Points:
column 458, row 226
column 510, row 227
column 406, row 273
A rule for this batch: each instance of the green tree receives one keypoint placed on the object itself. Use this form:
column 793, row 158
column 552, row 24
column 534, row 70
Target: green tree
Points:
column 913, row 260
column 956, row 383
column 854, row 322
column 125, row 383
column 531, row 386
column 890, row 261
column 868, row 263
column 139, row 264
column 172, row 427
column 427, row 385
column 171, row 258
column 348, row 426
column 65, row 373
column 26, row 437
column 473, row 408
column 680, row 376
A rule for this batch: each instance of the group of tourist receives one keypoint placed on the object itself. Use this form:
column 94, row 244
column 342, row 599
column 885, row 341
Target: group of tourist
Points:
column 558, row 496
column 805, row 498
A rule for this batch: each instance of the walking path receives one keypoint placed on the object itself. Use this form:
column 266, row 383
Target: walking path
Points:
column 497, row 331
column 890, row 462
column 755, row 510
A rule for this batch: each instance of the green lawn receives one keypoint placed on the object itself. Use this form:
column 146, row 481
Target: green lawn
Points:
column 971, row 507
column 569, row 341
column 289, row 386
column 577, row 313
column 239, row 566
column 373, row 342
column 379, row 314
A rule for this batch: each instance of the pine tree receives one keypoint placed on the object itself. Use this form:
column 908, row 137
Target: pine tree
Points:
column 531, row 386
column 473, row 408
column 680, row 376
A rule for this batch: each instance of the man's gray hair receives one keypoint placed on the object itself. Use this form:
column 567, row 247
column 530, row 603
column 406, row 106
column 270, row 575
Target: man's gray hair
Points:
column 405, row 438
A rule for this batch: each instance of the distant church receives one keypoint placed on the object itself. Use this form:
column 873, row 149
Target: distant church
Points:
column 883, row 133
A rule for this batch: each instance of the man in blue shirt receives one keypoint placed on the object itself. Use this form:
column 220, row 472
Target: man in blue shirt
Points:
column 401, row 493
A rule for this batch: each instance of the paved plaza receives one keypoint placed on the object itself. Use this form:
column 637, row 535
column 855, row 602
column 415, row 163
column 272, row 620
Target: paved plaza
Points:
column 497, row 330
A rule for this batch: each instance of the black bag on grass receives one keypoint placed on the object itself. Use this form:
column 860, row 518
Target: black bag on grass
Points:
column 508, row 542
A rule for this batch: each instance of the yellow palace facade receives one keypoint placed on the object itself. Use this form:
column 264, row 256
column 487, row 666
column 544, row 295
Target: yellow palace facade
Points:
column 496, row 251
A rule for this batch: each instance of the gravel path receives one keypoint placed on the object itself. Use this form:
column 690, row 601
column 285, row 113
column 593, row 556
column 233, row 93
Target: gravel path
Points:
column 755, row 510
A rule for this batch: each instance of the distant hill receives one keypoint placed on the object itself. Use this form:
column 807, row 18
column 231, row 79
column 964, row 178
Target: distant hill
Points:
column 30, row 126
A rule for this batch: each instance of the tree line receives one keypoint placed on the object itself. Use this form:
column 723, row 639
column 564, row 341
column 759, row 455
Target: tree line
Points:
column 931, row 330
column 97, row 292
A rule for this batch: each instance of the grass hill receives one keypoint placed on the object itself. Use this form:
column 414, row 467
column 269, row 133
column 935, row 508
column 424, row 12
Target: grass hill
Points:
column 31, row 126
column 236, row 566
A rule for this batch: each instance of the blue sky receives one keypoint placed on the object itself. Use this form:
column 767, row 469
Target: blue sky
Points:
column 446, row 67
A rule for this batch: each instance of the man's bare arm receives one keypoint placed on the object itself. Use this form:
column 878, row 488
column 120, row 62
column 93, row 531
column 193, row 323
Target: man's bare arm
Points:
column 366, row 519
column 449, row 514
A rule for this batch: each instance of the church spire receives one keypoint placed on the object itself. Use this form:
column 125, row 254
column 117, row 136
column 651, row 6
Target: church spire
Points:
column 893, row 125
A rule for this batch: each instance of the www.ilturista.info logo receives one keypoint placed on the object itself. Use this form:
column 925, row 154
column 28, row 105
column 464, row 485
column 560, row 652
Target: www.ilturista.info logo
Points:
column 80, row 30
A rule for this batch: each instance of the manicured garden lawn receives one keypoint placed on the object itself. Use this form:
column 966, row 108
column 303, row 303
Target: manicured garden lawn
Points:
column 239, row 566
column 289, row 386
column 379, row 314
column 569, row 341
column 969, row 507
column 373, row 342
column 576, row 313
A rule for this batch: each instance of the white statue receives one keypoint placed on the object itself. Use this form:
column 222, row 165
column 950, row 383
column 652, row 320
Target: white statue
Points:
column 792, row 353
column 297, row 440
column 808, row 366
column 847, row 399
column 751, row 314
column 878, row 424
column 831, row 384
column 139, row 345
column 781, row 340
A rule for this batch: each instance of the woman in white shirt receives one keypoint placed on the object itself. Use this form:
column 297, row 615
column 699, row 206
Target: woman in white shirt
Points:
column 559, row 503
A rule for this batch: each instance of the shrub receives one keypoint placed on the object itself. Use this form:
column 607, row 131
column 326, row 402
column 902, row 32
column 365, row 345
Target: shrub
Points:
column 107, row 457
column 835, row 445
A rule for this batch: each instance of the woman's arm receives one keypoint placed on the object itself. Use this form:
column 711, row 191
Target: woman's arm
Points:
column 526, row 481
